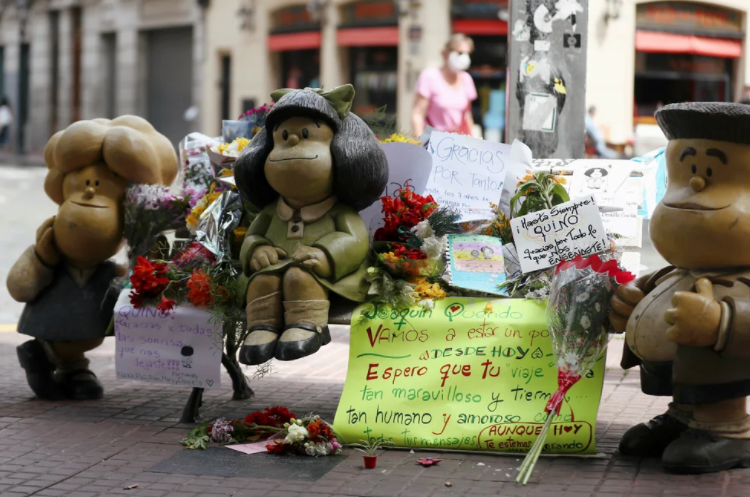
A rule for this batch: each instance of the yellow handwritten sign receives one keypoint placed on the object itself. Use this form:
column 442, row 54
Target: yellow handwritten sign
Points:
column 470, row 374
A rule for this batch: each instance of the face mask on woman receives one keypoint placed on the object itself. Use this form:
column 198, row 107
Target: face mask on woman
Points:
column 458, row 61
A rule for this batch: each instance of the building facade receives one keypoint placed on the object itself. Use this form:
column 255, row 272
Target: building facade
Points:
column 641, row 54
column 65, row 60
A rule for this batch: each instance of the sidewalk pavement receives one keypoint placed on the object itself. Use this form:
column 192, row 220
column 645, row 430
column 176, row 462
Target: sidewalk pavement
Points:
column 36, row 160
column 97, row 448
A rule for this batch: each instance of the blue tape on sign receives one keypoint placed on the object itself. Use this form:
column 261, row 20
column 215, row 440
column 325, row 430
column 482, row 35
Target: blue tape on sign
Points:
column 661, row 178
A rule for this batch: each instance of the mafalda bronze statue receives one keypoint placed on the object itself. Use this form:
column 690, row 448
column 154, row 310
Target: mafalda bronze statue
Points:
column 65, row 278
column 688, row 325
column 311, row 169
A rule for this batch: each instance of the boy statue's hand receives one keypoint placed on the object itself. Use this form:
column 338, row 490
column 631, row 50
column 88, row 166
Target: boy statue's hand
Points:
column 695, row 316
column 45, row 243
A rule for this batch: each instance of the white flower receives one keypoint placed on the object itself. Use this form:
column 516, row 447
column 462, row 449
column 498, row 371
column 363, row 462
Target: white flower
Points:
column 426, row 304
column 585, row 322
column 571, row 358
column 423, row 230
column 582, row 297
column 433, row 247
column 598, row 307
column 296, row 434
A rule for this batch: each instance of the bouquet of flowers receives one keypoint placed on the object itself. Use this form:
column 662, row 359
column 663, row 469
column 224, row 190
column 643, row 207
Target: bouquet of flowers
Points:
column 192, row 276
column 578, row 321
column 149, row 211
column 285, row 433
column 409, row 250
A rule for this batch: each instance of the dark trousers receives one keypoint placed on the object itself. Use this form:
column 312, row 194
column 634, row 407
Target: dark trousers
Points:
column 656, row 379
column 4, row 135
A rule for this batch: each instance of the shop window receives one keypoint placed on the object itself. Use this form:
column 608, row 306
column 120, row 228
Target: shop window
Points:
column 662, row 79
column 300, row 69
column 373, row 72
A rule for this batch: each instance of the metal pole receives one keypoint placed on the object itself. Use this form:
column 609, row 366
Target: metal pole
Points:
column 547, row 76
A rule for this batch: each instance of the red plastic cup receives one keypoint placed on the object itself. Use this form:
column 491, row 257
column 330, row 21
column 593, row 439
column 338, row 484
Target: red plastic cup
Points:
column 370, row 462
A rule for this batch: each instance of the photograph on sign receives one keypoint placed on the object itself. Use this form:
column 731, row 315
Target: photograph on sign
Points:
column 467, row 173
column 545, row 238
column 179, row 347
column 476, row 262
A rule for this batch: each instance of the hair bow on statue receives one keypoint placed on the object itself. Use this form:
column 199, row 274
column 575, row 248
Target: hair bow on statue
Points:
column 340, row 98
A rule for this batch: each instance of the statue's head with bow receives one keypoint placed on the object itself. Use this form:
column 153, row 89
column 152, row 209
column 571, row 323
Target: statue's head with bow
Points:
column 313, row 148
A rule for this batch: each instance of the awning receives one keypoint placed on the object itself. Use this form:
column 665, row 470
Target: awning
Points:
column 480, row 27
column 658, row 42
column 368, row 37
column 294, row 41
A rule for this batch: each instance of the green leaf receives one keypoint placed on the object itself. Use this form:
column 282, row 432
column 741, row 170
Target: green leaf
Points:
column 560, row 192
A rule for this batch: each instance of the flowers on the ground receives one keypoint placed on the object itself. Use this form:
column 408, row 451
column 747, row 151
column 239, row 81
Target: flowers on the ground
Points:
column 199, row 289
column 256, row 113
column 285, row 433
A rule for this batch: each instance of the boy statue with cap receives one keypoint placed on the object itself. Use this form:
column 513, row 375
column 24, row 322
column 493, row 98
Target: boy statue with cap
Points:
column 688, row 325
column 64, row 279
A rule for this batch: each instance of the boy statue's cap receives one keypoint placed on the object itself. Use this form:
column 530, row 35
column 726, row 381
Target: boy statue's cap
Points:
column 720, row 121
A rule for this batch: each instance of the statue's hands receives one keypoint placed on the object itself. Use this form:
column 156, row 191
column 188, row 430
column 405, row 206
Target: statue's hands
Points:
column 623, row 302
column 45, row 243
column 695, row 316
column 315, row 259
column 265, row 256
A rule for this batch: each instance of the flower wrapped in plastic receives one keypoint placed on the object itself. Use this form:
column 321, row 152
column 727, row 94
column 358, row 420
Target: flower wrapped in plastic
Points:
column 578, row 322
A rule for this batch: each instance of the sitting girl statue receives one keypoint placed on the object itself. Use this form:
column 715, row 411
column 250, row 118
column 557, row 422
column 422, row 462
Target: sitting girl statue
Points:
column 65, row 278
column 311, row 169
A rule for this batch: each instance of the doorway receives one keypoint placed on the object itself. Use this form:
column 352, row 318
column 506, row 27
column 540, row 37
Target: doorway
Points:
column 169, row 80
column 23, row 97
column 226, row 86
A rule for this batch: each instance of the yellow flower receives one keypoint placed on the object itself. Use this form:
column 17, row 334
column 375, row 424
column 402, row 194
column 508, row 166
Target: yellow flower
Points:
column 559, row 180
column 225, row 173
column 241, row 144
column 399, row 138
column 488, row 307
column 426, row 290
column 529, row 177
column 195, row 214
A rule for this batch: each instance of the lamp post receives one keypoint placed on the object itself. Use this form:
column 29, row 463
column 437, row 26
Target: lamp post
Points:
column 246, row 15
column 612, row 10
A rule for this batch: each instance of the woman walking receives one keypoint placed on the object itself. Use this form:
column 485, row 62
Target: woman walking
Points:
column 6, row 119
column 444, row 94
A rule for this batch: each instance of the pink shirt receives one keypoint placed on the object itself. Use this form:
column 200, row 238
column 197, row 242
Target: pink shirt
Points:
column 447, row 104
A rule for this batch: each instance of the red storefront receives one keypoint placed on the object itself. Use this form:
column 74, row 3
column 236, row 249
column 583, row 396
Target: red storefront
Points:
column 295, row 38
column 685, row 52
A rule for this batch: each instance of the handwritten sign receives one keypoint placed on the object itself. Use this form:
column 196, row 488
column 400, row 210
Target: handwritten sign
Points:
column 179, row 348
column 467, row 174
column 470, row 374
column 544, row 238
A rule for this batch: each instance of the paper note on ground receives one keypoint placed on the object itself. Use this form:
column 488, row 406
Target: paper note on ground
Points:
column 544, row 238
column 251, row 448
column 470, row 374
column 179, row 348
column 476, row 262
column 406, row 163
column 467, row 173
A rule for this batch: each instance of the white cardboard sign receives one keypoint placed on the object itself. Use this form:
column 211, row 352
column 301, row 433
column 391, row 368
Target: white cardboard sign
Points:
column 406, row 163
column 467, row 173
column 179, row 348
column 544, row 238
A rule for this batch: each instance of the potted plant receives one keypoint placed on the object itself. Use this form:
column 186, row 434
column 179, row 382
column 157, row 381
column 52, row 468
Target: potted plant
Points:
column 369, row 449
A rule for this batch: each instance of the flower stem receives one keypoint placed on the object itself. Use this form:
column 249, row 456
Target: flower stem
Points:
column 529, row 462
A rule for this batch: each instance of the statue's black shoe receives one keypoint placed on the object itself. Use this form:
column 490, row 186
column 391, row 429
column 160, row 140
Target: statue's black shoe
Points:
column 39, row 371
column 701, row 451
column 82, row 384
column 314, row 338
column 651, row 438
